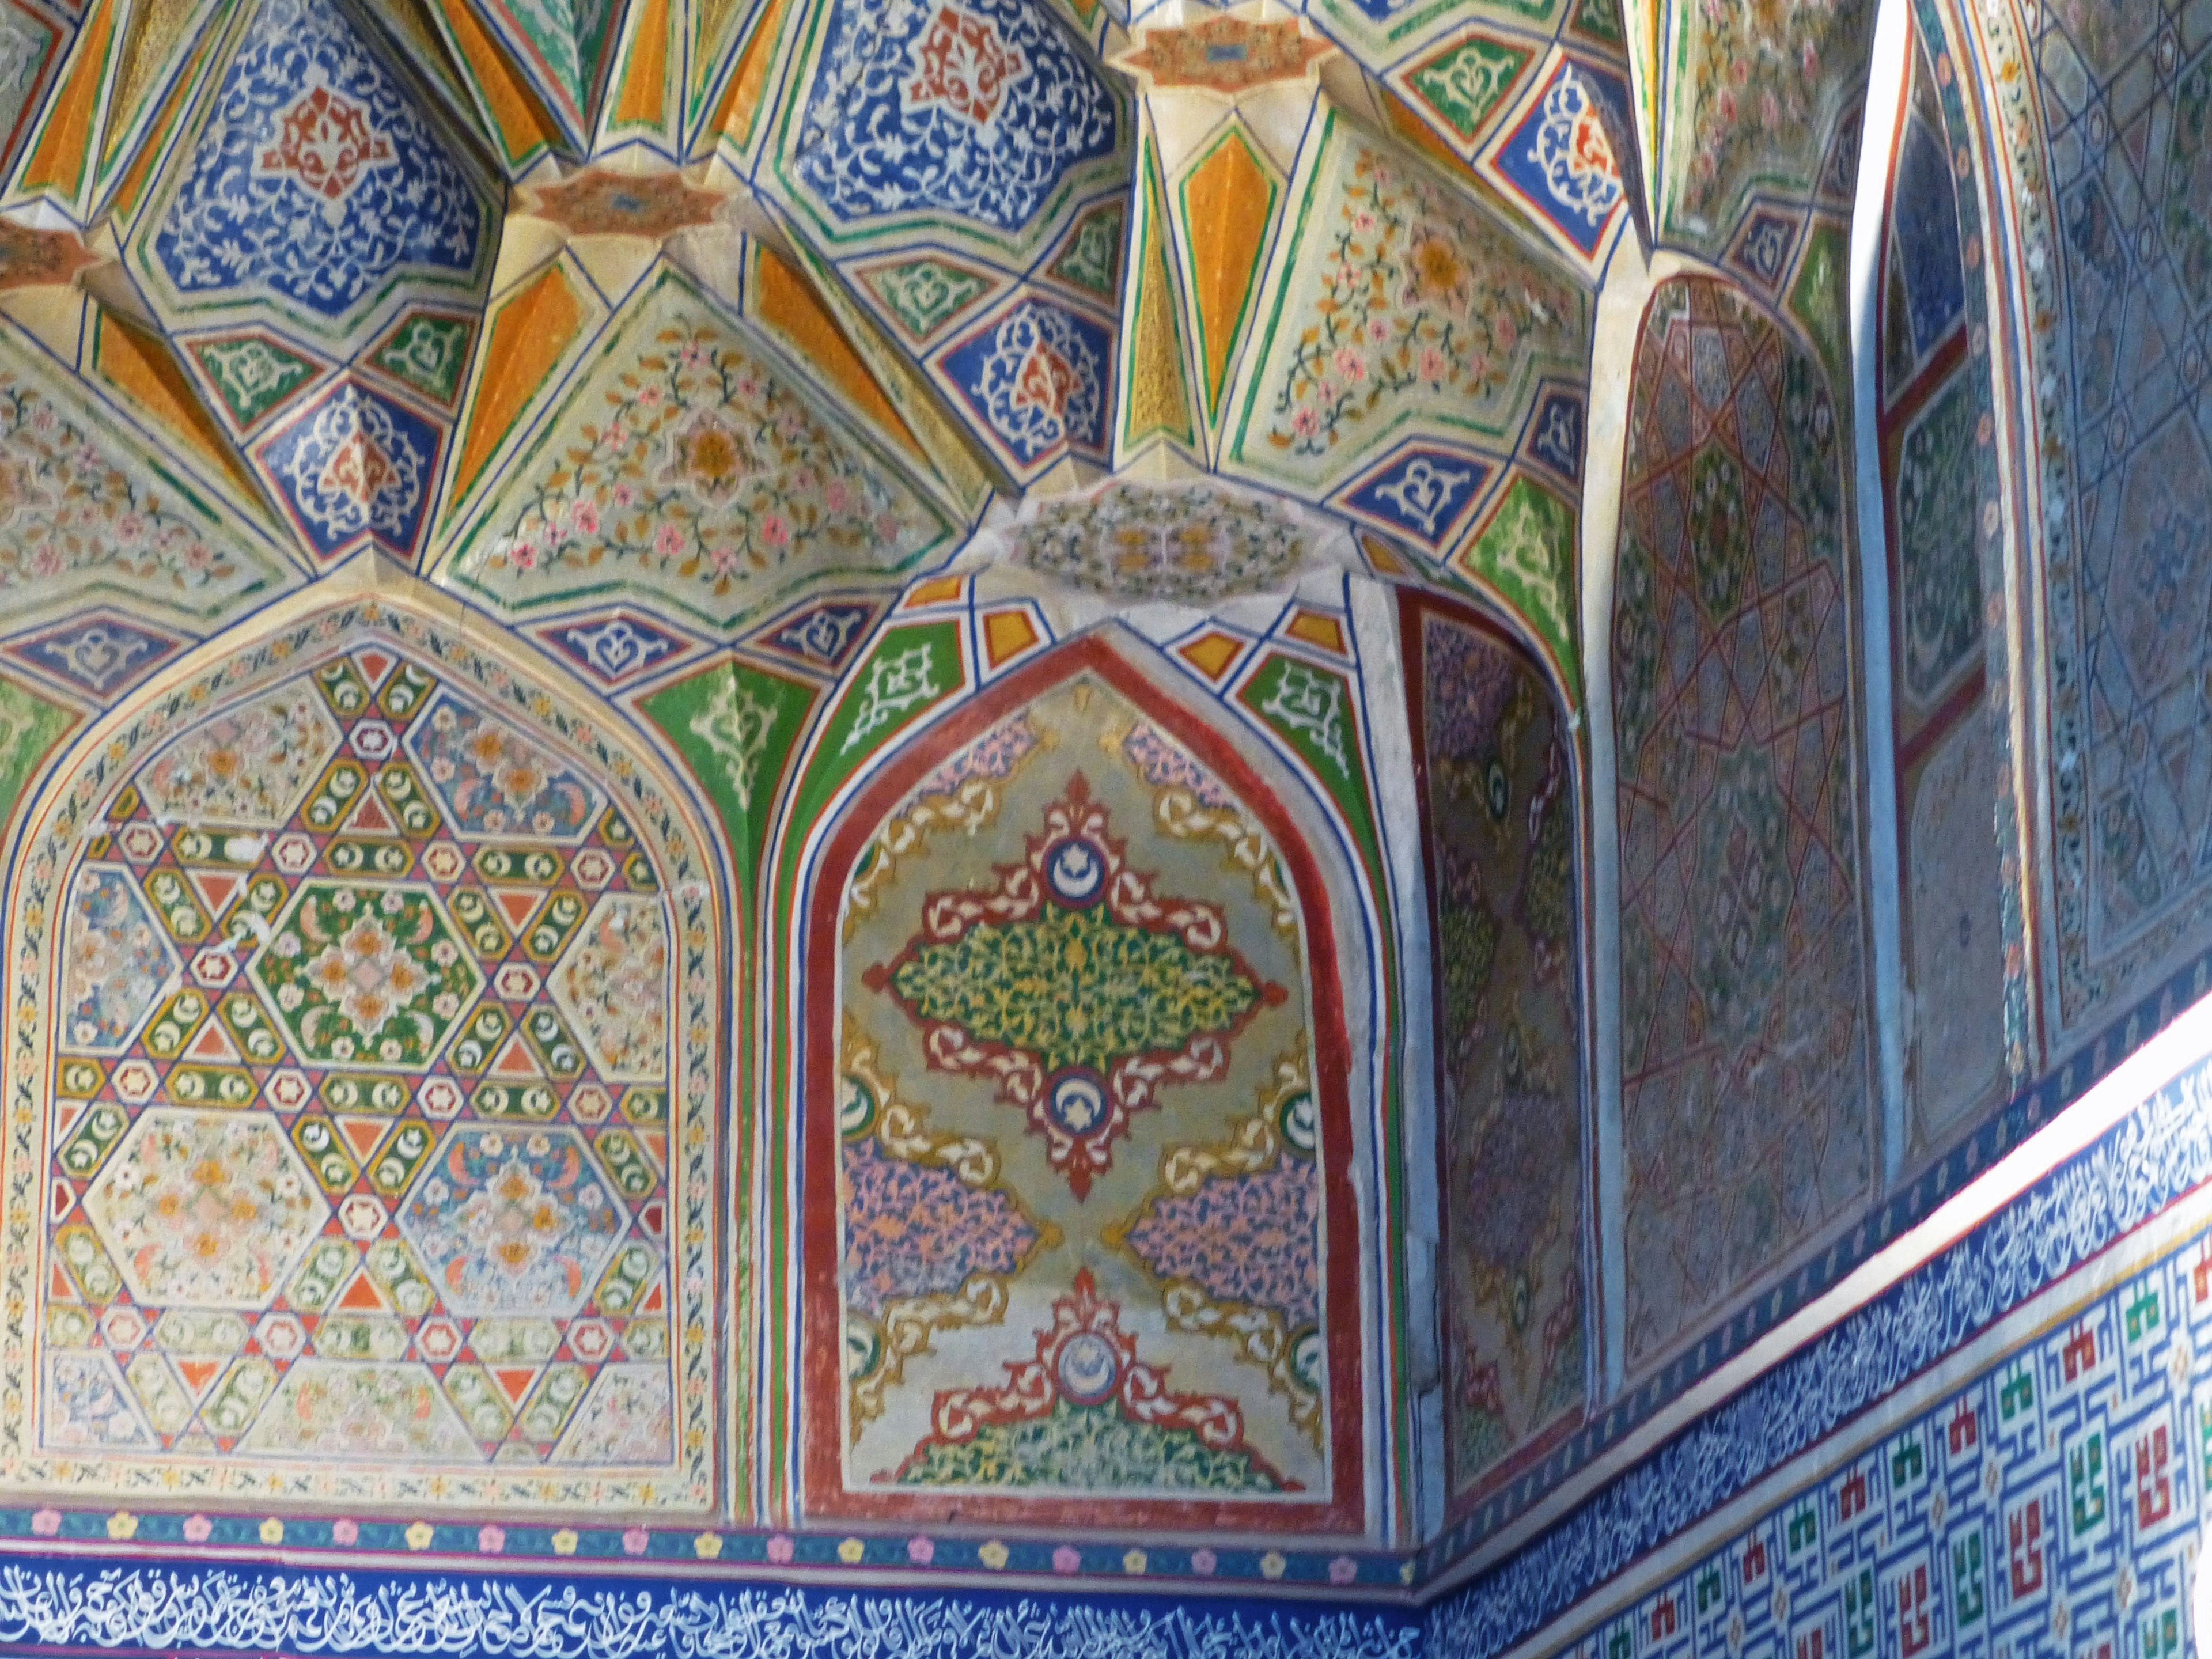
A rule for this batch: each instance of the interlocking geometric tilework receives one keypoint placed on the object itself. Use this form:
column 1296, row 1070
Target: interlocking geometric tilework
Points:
column 687, row 473
column 2050, row 1504
column 370, row 1128
column 2127, row 94
column 405, row 1160
column 1080, row 1109
column 1745, row 1096
column 1937, row 442
column 1501, row 843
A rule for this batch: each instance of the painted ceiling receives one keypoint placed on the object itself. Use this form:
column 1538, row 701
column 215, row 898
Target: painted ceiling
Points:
column 724, row 699
column 863, row 271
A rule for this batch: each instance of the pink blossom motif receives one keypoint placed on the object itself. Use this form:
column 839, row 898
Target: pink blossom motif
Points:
column 774, row 532
column 634, row 1541
column 585, row 518
column 1067, row 1559
column 199, row 1530
column 1202, row 1563
column 779, row 1550
column 491, row 1540
column 1306, row 421
column 1247, row 1239
column 920, row 1551
column 1343, row 1570
column 668, row 541
column 367, row 975
column 897, row 1206
column 47, row 1523
column 1351, row 365
column 345, row 1532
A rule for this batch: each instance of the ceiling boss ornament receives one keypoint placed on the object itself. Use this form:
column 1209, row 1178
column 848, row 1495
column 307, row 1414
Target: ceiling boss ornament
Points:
column 1223, row 55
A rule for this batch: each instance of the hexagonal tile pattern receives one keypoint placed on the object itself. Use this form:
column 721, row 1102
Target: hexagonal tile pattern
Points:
column 205, row 1209
column 367, row 975
column 247, row 769
column 613, row 985
column 493, row 781
column 115, row 962
column 514, row 1221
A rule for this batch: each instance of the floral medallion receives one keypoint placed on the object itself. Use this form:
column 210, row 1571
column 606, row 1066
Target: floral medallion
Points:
column 1074, row 988
column 367, row 975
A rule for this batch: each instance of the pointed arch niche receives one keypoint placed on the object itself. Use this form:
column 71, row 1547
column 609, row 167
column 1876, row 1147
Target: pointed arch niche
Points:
column 1499, row 780
column 363, row 1135
column 1082, row 1169
column 1749, row 1116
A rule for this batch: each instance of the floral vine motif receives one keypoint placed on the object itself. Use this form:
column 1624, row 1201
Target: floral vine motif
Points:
column 931, row 1237
column 1756, row 72
column 735, row 725
column 962, row 793
column 1411, row 300
column 1189, row 804
column 1074, row 988
column 64, row 506
column 319, row 178
column 1231, row 1235
column 978, row 110
column 1098, row 1415
column 1192, row 545
column 707, row 471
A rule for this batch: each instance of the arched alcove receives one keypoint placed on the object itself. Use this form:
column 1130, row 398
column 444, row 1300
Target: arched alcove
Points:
column 1081, row 1133
column 373, row 1025
column 1747, row 1108
column 1500, row 809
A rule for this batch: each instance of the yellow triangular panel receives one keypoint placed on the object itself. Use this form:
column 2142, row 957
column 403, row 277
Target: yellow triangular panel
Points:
column 639, row 104
column 738, row 119
column 1158, row 396
column 144, row 162
column 59, row 164
column 521, row 127
column 961, row 484
column 785, row 304
column 529, row 333
column 1228, row 198
column 159, row 37
column 152, row 384
column 426, row 49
